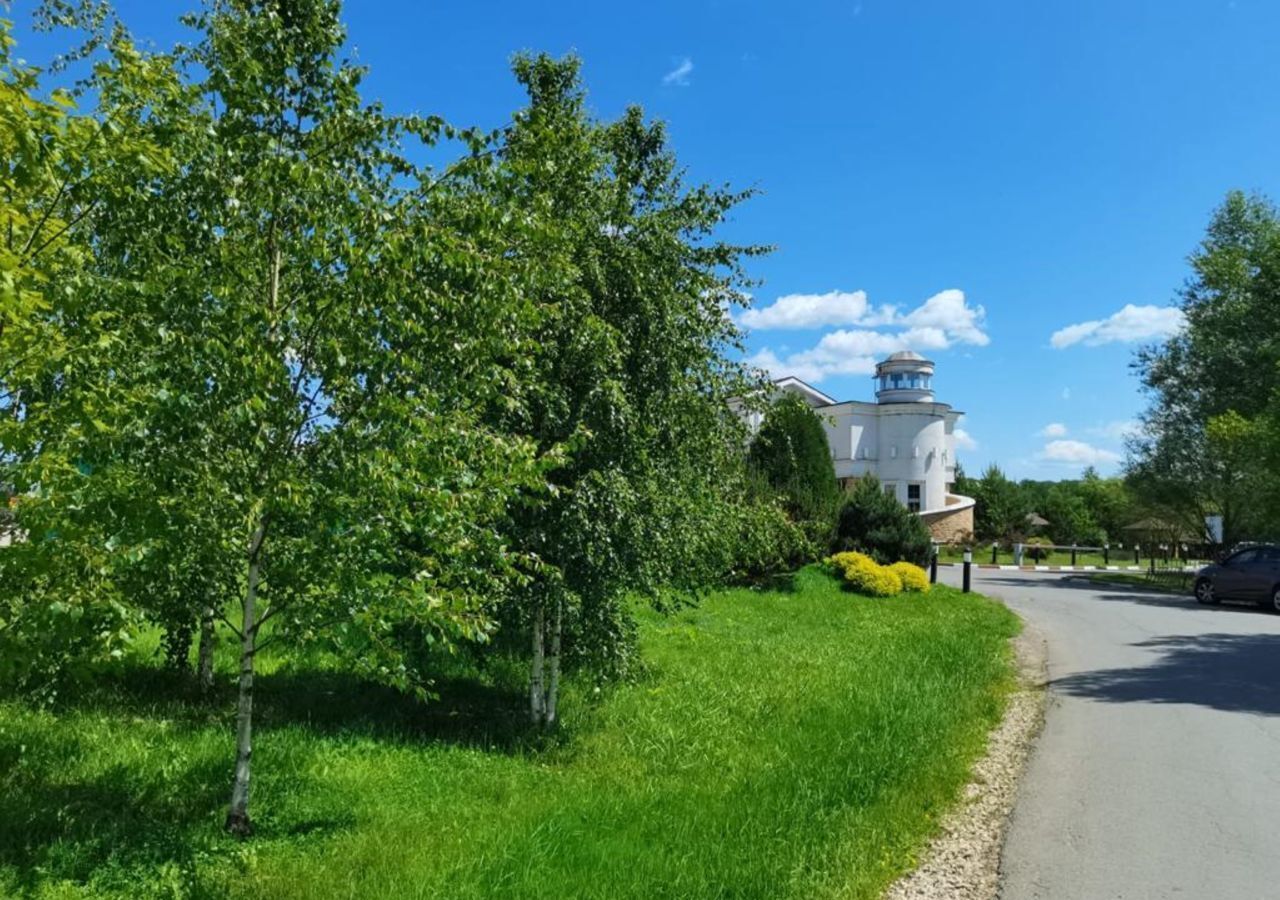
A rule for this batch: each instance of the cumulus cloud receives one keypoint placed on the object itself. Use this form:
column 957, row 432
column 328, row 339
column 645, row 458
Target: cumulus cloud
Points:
column 1054, row 430
column 1077, row 452
column 949, row 312
column 1131, row 324
column 679, row 76
column 942, row 321
column 1118, row 430
column 818, row 311
column 779, row 368
column 964, row 440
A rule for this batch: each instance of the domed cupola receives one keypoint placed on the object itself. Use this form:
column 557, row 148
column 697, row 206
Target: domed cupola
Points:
column 905, row 377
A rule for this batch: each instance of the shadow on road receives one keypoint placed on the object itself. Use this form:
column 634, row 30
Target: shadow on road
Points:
column 1232, row 672
column 1121, row 594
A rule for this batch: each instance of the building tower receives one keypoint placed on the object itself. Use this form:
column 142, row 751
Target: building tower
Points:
column 905, row 377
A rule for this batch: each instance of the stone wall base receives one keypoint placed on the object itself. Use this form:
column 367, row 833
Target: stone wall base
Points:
column 950, row 526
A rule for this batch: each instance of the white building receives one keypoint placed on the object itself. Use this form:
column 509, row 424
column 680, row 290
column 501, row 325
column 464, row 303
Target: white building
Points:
column 906, row 439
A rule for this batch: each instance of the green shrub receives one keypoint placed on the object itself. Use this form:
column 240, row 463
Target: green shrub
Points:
column 769, row 542
column 913, row 577
column 790, row 452
column 1037, row 549
column 876, row 524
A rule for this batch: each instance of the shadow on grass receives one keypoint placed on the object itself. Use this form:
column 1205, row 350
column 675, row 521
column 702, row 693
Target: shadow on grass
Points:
column 778, row 583
column 1230, row 672
column 467, row 712
column 165, row 809
column 69, row 828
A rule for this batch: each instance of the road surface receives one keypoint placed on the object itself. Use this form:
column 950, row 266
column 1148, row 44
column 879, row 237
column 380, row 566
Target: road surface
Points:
column 1158, row 772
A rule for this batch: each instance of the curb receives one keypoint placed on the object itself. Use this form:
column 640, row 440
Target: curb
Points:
column 1188, row 570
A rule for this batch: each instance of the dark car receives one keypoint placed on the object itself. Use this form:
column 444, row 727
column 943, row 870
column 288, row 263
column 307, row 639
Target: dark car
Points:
column 1249, row 574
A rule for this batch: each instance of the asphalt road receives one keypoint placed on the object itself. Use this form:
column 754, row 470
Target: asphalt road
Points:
column 1158, row 772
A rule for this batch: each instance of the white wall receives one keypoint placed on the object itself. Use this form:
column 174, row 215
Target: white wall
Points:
column 898, row 443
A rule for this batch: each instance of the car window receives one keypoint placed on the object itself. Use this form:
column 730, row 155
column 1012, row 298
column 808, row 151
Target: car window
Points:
column 1269, row 554
column 1243, row 558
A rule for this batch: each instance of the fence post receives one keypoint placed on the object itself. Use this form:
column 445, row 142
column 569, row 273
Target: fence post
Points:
column 968, row 562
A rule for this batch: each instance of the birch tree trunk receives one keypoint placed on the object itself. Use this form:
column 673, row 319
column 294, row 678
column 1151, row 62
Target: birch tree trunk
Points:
column 238, row 814
column 208, row 639
column 537, row 695
column 553, row 688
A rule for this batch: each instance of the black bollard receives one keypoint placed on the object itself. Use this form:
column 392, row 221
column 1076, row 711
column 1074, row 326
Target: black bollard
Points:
column 933, row 567
column 1137, row 560
column 994, row 545
column 1073, row 556
column 968, row 564
column 1106, row 554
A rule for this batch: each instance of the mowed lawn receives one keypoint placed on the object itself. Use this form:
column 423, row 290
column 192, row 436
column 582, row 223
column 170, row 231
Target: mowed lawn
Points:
column 797, row 743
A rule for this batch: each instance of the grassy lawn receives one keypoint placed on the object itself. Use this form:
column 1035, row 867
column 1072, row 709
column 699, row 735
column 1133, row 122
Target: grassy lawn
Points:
column 982, row 554
column 1165, row 582
column 798, row 743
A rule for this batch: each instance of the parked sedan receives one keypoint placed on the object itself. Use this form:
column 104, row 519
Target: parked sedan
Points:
column 1249, row 574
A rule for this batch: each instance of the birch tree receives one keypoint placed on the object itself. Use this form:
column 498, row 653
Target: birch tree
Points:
column 65, row 171
column 632, row 374
column 312, row 332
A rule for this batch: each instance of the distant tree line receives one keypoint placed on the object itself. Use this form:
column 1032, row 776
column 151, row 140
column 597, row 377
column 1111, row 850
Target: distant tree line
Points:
column 1210, row 443
column 1089, row 511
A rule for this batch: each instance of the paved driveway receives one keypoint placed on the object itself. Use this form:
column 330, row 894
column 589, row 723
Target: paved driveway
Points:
column 1158, row 772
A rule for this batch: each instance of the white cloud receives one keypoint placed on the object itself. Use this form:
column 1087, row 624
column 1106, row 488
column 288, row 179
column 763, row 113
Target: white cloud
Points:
column 818, row 311
column 945, row 319
column 841, row 352
column 1131, row 324
column 964, row 440
column 1054, row 430
column 1118, row 430
column 679, row 76
column 948, row 311
column 779, row 368
column 942, row 320
column 1077, row 452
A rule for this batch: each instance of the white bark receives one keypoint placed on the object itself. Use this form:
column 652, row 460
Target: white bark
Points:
column 553, row 688
column 537, row 695
column 238, row 814
column 208, row 638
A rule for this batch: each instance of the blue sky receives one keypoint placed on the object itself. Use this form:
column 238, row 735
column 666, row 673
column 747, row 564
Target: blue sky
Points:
column 1030, row 166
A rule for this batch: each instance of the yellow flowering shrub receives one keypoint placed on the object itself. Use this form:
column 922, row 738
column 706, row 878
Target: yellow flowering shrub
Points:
column 841, row 561
column 913, row 577
column 866, row 576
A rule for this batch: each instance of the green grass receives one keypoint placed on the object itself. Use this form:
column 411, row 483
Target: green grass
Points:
column 1164, row 582
column 797, row 743
column 982, row 554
